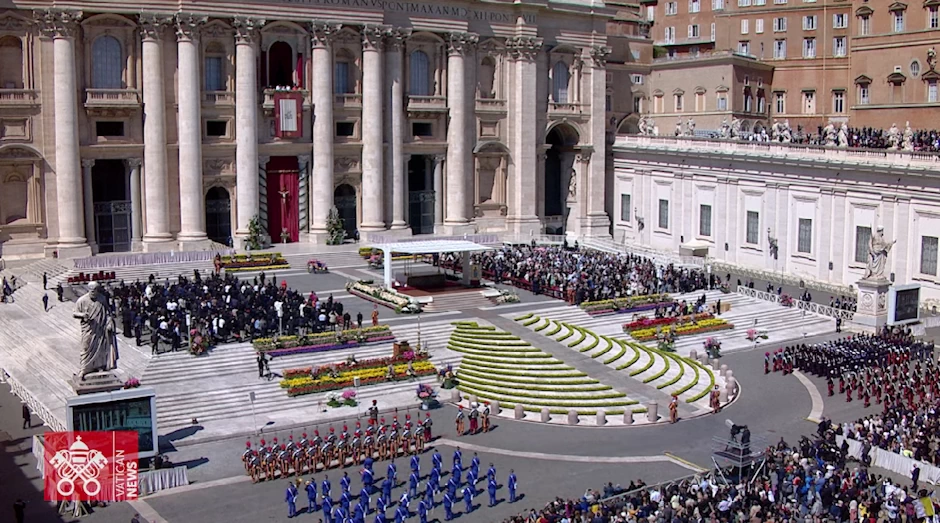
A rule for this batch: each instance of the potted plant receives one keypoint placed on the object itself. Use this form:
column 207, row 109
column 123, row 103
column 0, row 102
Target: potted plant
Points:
column 349, row 398
column 333, row 400
column 712, row 347
column 427, row 396
column 132, row 383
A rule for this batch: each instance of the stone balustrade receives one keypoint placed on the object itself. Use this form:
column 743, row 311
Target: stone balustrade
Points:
column 347, row 101
column 102, row 98
column 427, row 103
column 19, row 97
column 218, row 98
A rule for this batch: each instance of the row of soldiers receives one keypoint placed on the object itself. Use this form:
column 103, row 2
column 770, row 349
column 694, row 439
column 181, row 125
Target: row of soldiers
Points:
column 343, row 510
column 479, row 419
column 893, row 385
column 837, row 357
column 379, row 440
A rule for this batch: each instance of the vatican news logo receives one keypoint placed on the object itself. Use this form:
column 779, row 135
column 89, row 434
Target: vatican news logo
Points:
column 91, row 466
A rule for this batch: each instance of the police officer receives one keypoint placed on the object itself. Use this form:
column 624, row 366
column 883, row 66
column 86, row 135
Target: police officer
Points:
column 291, row 499
column 413, row 484
column 468, row 499
column 448, row 507
column 311, row 489
column 512, row 484
column 423, row 512
column 491, row 489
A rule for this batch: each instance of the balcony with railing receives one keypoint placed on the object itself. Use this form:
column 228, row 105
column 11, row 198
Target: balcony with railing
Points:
column 347, row 101
column 564, row 109
column 491, row 105
column 427, row 103
column 112, row 98
column 17, row 98
column 268, row 97
column 218, row 98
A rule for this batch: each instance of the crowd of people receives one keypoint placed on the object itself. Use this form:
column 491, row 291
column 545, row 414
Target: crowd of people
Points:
column 812, row 481
column 579, row 275
column 922, row 140
column 223, row 308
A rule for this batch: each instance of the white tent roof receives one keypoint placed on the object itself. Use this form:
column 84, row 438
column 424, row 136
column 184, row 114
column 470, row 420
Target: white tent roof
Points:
column 431, row 246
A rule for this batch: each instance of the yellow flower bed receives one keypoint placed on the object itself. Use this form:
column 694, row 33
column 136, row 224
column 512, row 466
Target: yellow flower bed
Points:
column 364, row 374
column 692, row 328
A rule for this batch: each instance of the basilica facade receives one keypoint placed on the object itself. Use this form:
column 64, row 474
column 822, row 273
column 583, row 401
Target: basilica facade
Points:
column 124, row 130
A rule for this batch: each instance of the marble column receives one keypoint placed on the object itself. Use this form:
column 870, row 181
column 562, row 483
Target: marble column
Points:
column 459, row 144
column 321, row 190
column 155, row 165
column 246, row 121
column 596, row 222
column 399, row 162
column 192, row 202
column 88, row 199
column 438, row 190
column 62, row 26
column 136, row 209
column 373, row 199
column 523, row 206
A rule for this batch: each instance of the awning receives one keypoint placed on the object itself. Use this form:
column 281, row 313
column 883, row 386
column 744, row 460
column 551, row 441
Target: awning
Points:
column 431, row 247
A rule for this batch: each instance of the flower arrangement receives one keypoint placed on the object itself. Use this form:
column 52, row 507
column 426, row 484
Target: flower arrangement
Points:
column 691, row 329
column 383, row 296
column 786, row 300
column 642, row 302
column 254, row 261
column 349, row 398
column 666, row 344
column 322, row 341
column 339, row 376
column 132, row 383
column 712, row 347
column 647, row 323
column 754, row 335
column 725, row 288
column 332, row 399
column 426, row 396
column 507, row 297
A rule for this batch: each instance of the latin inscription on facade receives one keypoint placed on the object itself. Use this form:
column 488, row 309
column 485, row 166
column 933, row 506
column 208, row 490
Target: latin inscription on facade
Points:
column 419, row 8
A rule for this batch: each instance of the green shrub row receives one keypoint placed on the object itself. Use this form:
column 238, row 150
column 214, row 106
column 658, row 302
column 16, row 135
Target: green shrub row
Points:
column 557, row 403
column 492, row 346
column 687, row 387
column 540, row 328
column 554, row 330
column 645, row 368
column 524, row 317
column 537, row 365
column 678, row 377
column 510, row 360
column 605, row 350
column 659, row 374
column 711, row 383
column 619, row 354
column 562, row 394
column 581, row 336
column 513, row 384
column 566, row 374
column 634, row 359
column 589, row 347
column 530, row 321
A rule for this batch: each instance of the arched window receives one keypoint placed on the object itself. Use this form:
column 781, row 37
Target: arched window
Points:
column 488, row 78
column 107, row 60
column 560, row 77
column 344, row 73
column 215, row 67
column 420, row 82
column 280, row 65
column 11, row 63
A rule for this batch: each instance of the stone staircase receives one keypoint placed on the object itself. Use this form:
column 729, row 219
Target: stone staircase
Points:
column 457, row 302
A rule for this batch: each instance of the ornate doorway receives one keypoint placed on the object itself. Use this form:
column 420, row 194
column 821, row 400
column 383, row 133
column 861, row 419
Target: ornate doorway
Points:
column 421, row 195
column 111, row 196
column 219, row 215
column 283, row 185
column 344, row 198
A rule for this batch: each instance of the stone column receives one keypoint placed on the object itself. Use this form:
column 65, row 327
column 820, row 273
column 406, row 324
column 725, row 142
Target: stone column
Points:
column 399, row 162
column 438, row 191
column 523, row 211
column 89, row 202
column 373, row 200
column 459, row 144
column 322, row 187
column 303, row 199
column 61, row 26
column 246, row 121
column 136, row 219
column 596, row 221
column 155, row 168
column 192, row 202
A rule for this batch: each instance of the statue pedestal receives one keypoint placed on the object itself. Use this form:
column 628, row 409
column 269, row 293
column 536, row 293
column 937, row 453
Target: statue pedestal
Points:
column 872, row 310
column 96, row 382
column 572, row 221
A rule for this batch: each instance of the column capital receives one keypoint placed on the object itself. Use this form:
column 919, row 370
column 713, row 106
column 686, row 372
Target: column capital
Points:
column 373, row 37
column 439, row 158
column 395, row 38
column 524, row 48
column 88, row 163
column 584, row 156
column 133, row 163
column 263, row 161
column 599, row 54
column 57, row 23
column 246, row 29
column 323, row 33
column 187, row 26
column 303, row 161
column 461, row 43
column 153, row 24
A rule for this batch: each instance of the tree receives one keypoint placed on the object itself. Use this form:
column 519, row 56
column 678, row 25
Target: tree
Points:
column 255, row 234
column 336, row 232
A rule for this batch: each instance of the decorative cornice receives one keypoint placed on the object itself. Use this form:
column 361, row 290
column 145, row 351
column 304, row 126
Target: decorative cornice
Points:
column 322, row 33
column 599, row 54
column 57, row 23
column 373, row 37
column 153, row 24
column 525, row 48
column 461, row 43
column 246, row 29
column 9, row 22
column 187, row 25
column 395, row 38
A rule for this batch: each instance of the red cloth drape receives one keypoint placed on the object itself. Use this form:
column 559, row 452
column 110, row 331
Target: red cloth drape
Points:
column 300, row 71
column 283, row 194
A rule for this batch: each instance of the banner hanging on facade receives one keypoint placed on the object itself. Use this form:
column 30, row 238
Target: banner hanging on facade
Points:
column 288, row 114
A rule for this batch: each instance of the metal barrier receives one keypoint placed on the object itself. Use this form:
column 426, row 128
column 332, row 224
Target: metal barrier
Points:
column 36, row 406
column 719, row 267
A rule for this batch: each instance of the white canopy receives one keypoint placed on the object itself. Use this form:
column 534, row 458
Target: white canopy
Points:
column 431, row 246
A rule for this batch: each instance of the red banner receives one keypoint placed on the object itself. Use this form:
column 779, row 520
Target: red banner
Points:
column 288, row 114
column 91, row 466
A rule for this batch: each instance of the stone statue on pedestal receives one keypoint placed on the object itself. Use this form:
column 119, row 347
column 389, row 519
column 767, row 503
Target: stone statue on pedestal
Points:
column 690, row 127
column 908, row 141
column 725, row 128
column 894, row 136
column 878, row 250
column 99, row 344
column 573, row 186
column 641, row 125
column 785, row 135
column 735, row 127
column 830, row 134
column 842, row 137
column 679, row 127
